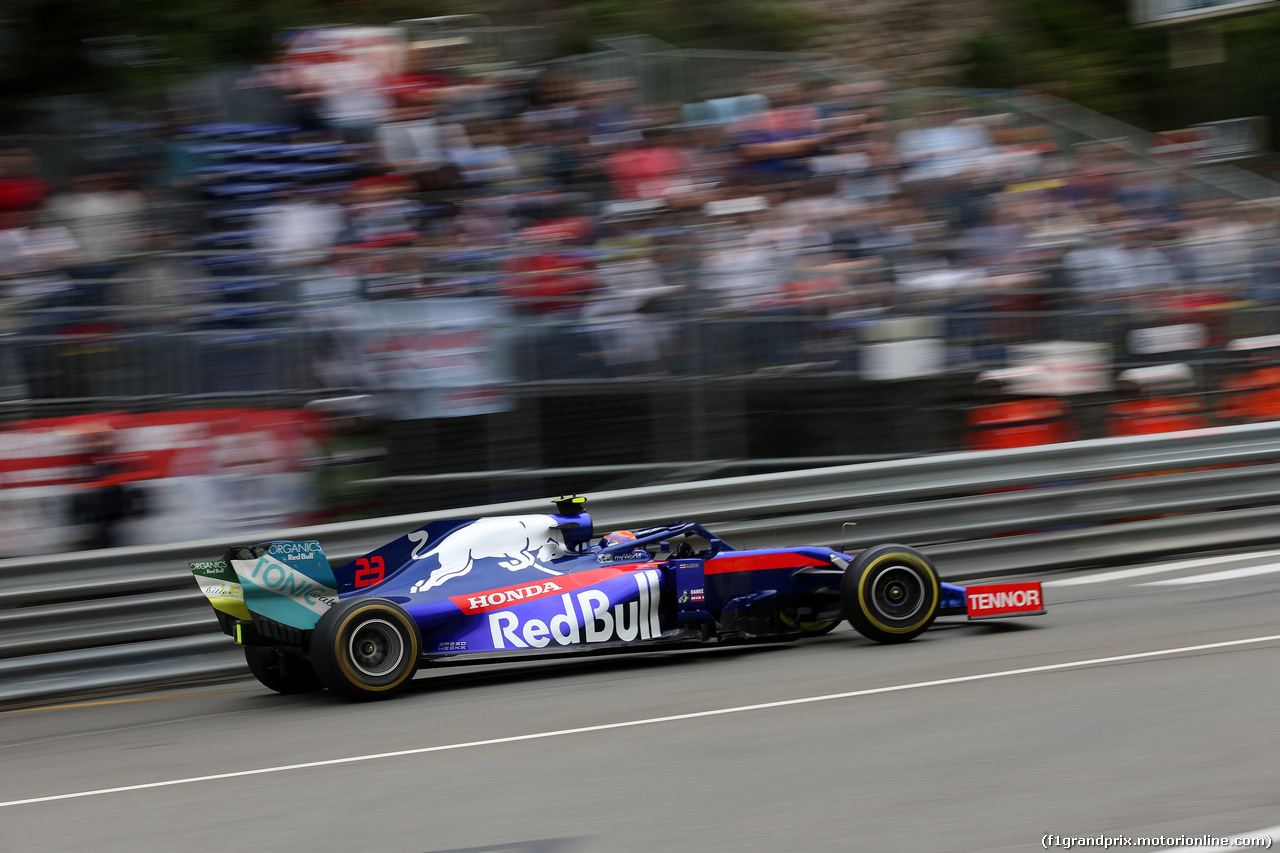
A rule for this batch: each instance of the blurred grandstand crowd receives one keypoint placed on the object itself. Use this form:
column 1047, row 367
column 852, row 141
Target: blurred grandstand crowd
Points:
column 417, row 241
column 763, row 231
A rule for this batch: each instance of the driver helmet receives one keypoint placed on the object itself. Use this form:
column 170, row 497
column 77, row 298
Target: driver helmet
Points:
column 617, row 537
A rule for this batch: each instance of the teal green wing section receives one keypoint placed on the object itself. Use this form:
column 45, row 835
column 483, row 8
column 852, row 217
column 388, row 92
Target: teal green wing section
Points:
column 286, row 582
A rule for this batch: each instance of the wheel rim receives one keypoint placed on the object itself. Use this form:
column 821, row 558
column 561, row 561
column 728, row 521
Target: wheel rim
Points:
column 376, row 648
column 898, row 593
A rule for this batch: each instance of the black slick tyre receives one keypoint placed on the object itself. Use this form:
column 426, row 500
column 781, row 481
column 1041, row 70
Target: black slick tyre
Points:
column 890, row 593
column 281, row 672
column 365, row 648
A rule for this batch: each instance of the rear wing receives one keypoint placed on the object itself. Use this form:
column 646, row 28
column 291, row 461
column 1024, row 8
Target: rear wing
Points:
column 268, row 593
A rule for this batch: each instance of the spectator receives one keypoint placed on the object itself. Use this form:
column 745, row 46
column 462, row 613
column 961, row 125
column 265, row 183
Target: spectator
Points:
column 412, row 143
column 944, row 145
column 623, row 313
column 350, row 95
column 738, row 268
column 1147, row 193
column 106, row 216
column 31, row 249
column 163, row 291
column 485, row 222
column 33, row 264
column 653, row 167
column 422, row 80
column 479, row 156
column 940, row 278
column 1102, row 270
column 548, row 274
column 380, row 214
column 107, row 219
column 774, row 146
column 1218, row 239
column 22, row 189
column 298, row 230
column 609, row 116
column 106, row 497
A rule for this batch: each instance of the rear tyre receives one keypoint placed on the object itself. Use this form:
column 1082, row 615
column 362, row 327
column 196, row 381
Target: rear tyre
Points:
column 890, row 594
column 365, row 648
column 283, row 673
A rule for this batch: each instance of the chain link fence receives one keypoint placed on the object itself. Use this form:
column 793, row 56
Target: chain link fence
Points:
column 299, row 334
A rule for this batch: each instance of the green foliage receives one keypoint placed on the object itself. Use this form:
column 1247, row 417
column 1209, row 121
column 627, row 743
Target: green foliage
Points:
column 726, row 24
column 990, row 61
column 47, row 47
column 50, row 47
column 106, row 46
column 1087, row 52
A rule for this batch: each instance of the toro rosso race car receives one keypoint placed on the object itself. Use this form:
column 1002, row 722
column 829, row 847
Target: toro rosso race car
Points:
column 490, row 588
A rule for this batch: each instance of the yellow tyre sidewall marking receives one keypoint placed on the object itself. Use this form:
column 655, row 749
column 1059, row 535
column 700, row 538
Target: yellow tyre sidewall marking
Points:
column 341, row 639
column 911, row 561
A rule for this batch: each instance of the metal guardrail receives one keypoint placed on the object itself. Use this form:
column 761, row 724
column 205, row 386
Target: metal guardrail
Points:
column 75, row 624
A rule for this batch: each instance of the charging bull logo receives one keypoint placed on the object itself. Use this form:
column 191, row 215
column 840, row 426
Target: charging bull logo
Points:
column 514, row 544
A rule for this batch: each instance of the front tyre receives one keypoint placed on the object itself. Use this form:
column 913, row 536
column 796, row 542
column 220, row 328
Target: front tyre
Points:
column 890, row 594
column 281, row 672
column 365, row 648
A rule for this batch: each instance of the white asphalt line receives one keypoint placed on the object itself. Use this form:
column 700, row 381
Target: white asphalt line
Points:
column 785, row 703
column 1142, row 571
column 1246, row 572
column 1236, row 843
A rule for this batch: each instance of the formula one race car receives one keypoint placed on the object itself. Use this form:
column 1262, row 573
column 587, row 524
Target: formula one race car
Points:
column 491, row 588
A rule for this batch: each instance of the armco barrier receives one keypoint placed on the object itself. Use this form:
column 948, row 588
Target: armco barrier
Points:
column 91, row 622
